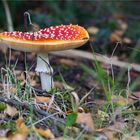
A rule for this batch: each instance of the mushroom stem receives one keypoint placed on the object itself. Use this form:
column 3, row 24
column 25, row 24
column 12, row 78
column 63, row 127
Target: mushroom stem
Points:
column 45, row 70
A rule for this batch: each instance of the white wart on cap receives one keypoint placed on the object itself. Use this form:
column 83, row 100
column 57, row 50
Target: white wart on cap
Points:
column 54, row 38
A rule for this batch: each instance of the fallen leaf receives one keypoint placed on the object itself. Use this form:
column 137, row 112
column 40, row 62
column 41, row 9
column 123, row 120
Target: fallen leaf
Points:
column 11, row 111
column 68, row 62
column 120, row 100
column 21, row 132
column 44, row 133
column 93, row 30
column 21, row 127
column 85, row 118
column 114, row 37
column 42, row 99
column 127, row 40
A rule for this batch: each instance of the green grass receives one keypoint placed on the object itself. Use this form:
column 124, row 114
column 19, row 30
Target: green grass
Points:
column 69, row 101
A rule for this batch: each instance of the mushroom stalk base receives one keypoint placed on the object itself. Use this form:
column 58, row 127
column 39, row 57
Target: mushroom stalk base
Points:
column 46, row 81
column 45, row 70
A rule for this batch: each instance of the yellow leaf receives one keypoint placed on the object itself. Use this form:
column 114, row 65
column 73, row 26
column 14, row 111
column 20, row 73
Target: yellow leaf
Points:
column 44, row 133
column 21, row 127
column 120, row 100
column 20, row 134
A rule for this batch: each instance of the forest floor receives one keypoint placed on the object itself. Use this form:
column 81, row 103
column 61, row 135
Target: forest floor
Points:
column 89, row 101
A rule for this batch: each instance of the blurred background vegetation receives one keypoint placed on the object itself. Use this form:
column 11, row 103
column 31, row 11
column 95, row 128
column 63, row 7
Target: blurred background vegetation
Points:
column 107, row 21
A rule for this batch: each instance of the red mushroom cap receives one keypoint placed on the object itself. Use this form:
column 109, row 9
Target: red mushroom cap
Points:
column 54, row 38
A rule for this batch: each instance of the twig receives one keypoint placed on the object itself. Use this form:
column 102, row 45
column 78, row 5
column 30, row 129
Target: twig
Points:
column 98, row 57
column 25, row 105
column 8, row 16
column 45, row 118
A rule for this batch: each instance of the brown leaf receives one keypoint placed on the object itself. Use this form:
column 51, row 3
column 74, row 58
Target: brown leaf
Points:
column 68, row 62
column 114, row 37
column 42, row 99
column 85, row 118
column 44, row 133
column 11, row 111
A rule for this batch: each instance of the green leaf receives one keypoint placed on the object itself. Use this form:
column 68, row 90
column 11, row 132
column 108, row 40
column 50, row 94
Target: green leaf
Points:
column 71, row 119
column 2, row 107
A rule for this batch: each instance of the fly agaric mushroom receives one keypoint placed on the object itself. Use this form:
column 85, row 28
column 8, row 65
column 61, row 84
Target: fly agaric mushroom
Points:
column 54, row 38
